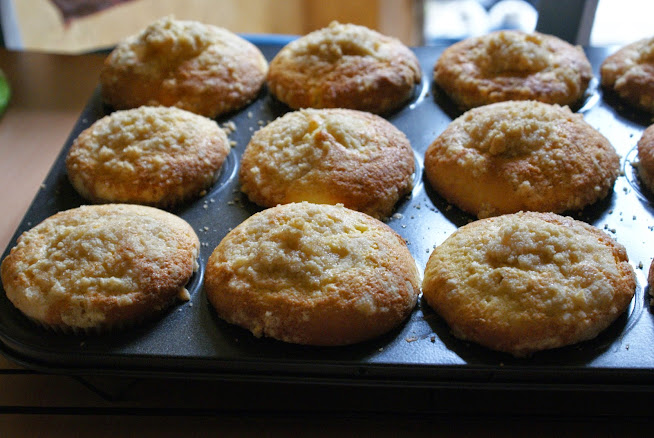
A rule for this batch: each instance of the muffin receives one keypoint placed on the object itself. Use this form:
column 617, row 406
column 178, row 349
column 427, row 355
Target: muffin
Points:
column 156, row 156
column 513, row 65
column 99, row 268
column 330, row 156
column 629, row 72
column 526, row 282
column 198, row 67
column 645, row 164
column 521, row 155
column 312, row 274
column 344, row 66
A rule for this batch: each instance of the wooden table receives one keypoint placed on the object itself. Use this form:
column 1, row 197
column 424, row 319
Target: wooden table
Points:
column 49, row 92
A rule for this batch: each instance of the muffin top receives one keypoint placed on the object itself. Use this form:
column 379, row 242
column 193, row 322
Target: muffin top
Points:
column 630, row 73
column 645, row 164
column 329, row 156
column 98, row 267
column 521, row 155
column 513, row 65
column 202, row 68
column 528, row 281
column 344, row 66
column 313, row 274
column 148, row 155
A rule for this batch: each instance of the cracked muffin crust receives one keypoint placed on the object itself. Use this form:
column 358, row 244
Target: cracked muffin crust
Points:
column 331, row 156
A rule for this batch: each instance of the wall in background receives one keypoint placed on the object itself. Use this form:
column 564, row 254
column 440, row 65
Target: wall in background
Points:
column 42, row 26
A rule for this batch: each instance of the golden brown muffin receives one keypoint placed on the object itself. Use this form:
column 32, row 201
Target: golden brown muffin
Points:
column 313, row 274
column 102, row 267
column 329, row 156
column 344, row 66
column 526, row 282
column 194, row 66
column 148, row 155
column 521, row 155
column 646, row 158
column 630, row 73
column 513, row 65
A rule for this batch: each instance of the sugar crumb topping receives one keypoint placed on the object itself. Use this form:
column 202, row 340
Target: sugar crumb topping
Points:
column 148, row 139
column 102, row 254
column 308, row 250
column 532, row 263
column 512, row 52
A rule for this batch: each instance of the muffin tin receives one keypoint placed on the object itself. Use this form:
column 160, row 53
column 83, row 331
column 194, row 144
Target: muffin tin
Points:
column 191, row 341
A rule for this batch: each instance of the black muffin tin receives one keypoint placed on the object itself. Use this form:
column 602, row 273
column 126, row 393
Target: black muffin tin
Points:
column 191, row 341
